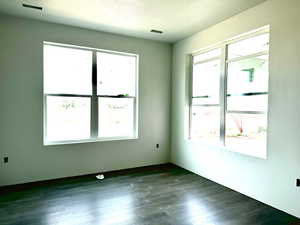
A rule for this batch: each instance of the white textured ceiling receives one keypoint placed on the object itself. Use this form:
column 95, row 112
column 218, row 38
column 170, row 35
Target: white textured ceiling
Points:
column 176, row 18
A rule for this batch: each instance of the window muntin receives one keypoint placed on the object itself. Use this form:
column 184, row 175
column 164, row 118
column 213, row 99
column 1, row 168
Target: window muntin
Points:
column 74, row 112
column 243, row 86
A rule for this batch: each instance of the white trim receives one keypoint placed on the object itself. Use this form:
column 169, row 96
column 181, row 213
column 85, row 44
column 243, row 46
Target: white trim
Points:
column 207, row 60
column 237, row 38
column 136, row 99
column 190, row 97
column 223, row 94
column 88, row 48
column 247, row 56
column 49, row 143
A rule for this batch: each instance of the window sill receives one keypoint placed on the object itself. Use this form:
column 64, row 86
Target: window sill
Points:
column 46, row 143
column 257, row 154
column 242, row 151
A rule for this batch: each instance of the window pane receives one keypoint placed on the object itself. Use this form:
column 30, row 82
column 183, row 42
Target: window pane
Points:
column 116, row 74
column 68, row 118
column 246, row 133
column 205, row 123
column 207, row 55
column 206, row 82
column 249, row 46
column 205, row 100
column 116, row 117
column 247, row 82
column 67, row 70
column 248, row 103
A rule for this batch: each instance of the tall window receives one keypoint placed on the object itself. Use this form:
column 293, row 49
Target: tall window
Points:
column 230, row 95
column 89, row 95
column 205, row 111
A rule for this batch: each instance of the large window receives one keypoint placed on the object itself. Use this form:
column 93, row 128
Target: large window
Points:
column 229, row 100
column 89, row 94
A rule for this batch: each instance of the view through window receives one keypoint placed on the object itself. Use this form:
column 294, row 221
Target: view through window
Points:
column 229, row 99
column 89, row 95
column 205, row 111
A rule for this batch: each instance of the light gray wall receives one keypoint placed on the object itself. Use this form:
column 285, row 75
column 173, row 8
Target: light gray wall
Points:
column 21, row 108
column 271, row 181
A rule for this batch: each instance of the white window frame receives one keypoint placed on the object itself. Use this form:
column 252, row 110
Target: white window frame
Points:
column 94, row 99
column 220, row 57
column 223, row 78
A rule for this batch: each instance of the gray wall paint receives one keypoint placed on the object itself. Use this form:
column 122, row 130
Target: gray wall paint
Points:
column 21, row 95
column 273, row 180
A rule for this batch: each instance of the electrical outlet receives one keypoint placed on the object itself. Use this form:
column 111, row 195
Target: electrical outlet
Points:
column 298, row 182
column 5, row 159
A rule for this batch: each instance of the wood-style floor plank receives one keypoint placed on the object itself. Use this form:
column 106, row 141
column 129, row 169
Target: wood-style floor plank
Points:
column 172, row 196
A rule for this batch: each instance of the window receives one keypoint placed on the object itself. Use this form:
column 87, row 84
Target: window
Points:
column 229, row 101
column 89, row 94
column 205, row 111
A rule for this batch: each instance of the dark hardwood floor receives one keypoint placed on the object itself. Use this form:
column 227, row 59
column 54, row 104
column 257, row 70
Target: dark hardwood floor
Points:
column 169, row 196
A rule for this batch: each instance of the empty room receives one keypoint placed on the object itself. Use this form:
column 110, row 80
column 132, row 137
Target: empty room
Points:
column 149, row 112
